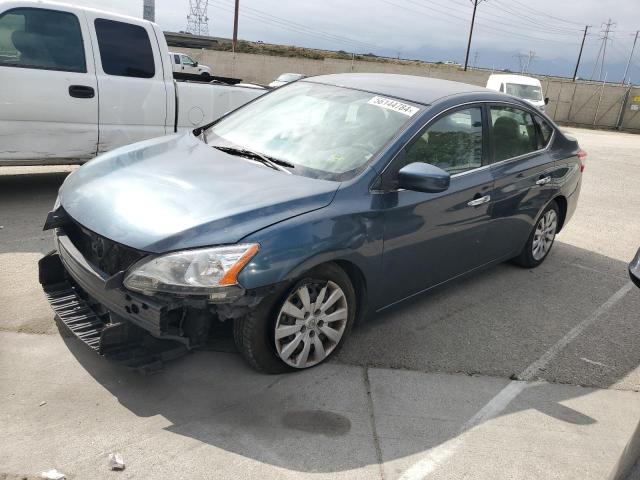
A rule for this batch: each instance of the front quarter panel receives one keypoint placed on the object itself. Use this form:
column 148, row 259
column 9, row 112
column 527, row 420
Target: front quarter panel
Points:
column 349, row 230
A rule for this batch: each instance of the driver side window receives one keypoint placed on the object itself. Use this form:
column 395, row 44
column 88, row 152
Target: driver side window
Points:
column 187, row 60
column 453, row 142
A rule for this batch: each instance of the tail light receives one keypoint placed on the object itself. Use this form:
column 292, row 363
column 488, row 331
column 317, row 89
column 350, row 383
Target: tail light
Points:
column 581, row 156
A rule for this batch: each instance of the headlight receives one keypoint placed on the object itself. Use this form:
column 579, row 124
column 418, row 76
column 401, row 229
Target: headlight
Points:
column 191, row 272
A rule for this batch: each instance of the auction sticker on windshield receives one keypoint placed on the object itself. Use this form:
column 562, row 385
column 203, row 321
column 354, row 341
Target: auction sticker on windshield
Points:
column 394, row 105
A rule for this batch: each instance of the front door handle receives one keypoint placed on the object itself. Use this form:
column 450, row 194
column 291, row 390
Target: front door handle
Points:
column 479, row 201
column 81, row 91
column 543, row 181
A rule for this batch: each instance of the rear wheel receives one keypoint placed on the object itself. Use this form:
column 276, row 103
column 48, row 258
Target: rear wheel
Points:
column 304, row 327
column 541, row 239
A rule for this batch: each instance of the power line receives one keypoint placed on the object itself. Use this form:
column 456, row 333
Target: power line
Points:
column 519, row 17
column 510, row 22
column 515, row 17
column 264, row 17
column 447, row 15
column 545, row 14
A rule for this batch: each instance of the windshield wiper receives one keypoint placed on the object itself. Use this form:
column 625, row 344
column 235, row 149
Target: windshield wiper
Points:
column 274, row 163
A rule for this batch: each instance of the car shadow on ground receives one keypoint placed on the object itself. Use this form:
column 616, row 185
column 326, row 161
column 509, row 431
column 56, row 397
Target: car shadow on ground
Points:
column 33, row 195
column 494, row 323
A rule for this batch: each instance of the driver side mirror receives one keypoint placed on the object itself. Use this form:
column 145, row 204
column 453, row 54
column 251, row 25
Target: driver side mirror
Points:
column 195, row 64
column 423, row 177
column 546, row 100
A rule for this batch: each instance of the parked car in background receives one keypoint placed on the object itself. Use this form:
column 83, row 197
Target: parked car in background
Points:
column 286, row 78
column 634, row 269
column 528, row 89
column 185, row 64
column 321, row 201
column 77, row 82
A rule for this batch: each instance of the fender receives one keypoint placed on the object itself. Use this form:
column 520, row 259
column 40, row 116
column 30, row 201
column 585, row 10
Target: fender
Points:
column 345, row 231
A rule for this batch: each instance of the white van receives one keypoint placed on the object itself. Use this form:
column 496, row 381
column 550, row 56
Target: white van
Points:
column 526, row 88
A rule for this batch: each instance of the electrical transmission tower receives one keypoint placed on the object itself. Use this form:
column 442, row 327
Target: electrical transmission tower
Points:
column 197, row 19
column 606, row 31
column 521, row 61
column 532, row 55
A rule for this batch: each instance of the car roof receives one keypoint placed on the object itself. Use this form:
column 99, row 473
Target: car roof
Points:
column 423, row 90
column 521, row 79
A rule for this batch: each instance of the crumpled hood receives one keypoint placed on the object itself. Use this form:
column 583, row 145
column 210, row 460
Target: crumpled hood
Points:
column 176, row 192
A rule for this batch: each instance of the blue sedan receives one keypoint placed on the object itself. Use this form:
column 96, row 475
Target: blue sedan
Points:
column 311, row 207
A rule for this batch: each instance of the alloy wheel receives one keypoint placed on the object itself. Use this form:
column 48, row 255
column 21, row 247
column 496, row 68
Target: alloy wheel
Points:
column 544, row 235
column 310, row 323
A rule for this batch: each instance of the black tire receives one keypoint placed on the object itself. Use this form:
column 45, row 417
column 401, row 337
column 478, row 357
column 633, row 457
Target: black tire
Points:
column 205, row 74
column 254, row 333
column 526, row 257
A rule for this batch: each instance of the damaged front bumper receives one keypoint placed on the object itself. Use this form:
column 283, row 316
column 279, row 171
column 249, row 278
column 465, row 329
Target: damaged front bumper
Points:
column 137, row 330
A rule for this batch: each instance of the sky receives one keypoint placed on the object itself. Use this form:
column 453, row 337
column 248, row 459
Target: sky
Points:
column 433, row 30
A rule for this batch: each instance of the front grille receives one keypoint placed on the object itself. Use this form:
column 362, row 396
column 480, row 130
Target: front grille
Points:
column 105, row 255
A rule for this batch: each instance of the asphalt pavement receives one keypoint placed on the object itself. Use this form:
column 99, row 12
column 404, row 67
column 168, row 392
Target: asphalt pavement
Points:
column 511, row 373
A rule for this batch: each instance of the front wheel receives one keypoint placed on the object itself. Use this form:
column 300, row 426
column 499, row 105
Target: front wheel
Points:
column 541, row 239
column 304, row 327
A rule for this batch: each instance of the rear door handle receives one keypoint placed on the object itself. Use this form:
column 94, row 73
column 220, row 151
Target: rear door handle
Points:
column 81, row 91
column 479, row 201
column 543, row 181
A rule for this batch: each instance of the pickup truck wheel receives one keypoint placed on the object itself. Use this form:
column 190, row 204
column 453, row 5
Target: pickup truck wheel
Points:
column 304, row 327
column 541, row 239
column 205, row 74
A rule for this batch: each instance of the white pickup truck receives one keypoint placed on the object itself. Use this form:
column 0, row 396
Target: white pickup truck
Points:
column 183, row 63
column 76, row 82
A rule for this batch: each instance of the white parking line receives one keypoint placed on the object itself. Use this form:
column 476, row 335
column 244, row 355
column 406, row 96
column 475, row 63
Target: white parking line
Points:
column 440, row 454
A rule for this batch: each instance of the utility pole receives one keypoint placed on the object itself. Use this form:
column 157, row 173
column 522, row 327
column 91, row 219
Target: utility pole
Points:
column 149, row 10
column 235, row 26
column 473, row 21
column 475, row 59
column 603, row 47
column 626, row 69
column 584, row 37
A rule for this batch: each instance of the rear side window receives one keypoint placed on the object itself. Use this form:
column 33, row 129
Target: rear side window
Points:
column 453, row 142
column 176, row 58
column 125, row 49
column 545, row 131
column 513, row 133
column 43, row 39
